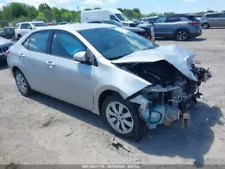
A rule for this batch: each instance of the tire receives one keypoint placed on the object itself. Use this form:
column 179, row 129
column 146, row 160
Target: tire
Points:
column 181, row 35
column 125, row 123
column 22, row 84
column 205, row 26
column 19, row 36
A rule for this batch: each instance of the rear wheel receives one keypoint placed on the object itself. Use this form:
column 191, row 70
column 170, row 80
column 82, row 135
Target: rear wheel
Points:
column 22, row 84
column 205, row 26
column 123, row 118
column 181, row 35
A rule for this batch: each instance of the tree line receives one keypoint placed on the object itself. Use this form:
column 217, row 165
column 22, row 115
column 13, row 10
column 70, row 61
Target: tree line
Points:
column 19, row 12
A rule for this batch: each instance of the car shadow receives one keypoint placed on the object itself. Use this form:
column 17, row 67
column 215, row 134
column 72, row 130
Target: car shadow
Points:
column 192, row 142
column 190, row 40
column 3, row 65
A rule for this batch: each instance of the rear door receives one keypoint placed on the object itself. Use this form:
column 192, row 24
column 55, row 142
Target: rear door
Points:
column 25, row 28
column 33, row 58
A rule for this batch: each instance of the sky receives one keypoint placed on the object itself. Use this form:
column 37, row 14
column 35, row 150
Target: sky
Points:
column 146, row 6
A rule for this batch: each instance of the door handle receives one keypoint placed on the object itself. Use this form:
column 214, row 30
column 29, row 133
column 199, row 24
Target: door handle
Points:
column 51, row 64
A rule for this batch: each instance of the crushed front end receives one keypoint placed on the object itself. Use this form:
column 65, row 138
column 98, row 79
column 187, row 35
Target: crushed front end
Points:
column 171, row 94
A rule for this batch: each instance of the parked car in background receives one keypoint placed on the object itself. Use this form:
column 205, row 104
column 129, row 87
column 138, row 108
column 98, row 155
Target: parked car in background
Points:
column 180, row 27
column 101, row 14
column 110, row 71
column 213, row 20
column 7, row 32
column 5, row 44
column 25, row 27
column 63, row 23
column 148, row 20
column 199, row 17
column 137, row 30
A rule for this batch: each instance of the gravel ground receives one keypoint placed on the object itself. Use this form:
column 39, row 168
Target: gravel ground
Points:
column 43, row 130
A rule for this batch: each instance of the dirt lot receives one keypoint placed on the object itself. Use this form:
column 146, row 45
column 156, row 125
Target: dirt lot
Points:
column 43, row 130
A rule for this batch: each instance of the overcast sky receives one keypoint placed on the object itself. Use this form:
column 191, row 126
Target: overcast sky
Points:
column 146, row 6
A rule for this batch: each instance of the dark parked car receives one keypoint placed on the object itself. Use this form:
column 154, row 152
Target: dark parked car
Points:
column 179, row 26
column 137, row 30
column 5, row 44
column 7, row 33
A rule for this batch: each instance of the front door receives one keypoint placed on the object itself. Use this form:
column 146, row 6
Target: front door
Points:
column 71, row 80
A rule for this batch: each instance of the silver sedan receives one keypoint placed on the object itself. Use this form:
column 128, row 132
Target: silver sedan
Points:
column 133, row 83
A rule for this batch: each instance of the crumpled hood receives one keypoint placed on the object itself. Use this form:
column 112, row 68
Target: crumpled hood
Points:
column 175, row 55
column 4, row 41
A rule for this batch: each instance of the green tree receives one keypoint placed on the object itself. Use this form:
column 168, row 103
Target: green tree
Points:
column 67, row 16
column 87, row 9
column 43, row 7
column 41, row 17
column 97, row 8
column 56, row 14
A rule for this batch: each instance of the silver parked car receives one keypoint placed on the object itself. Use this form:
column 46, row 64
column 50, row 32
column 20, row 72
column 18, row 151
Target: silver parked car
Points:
column 213, row 20
column 110, row 71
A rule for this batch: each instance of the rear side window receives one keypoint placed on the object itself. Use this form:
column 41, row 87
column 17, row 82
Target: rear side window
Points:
column 37, row 42
column 213, row 16
column 222, row 15
column 66, row 45
column 25, row 26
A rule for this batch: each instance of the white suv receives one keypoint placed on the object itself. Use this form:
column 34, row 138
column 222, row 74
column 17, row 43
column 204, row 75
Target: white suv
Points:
column 25, row 27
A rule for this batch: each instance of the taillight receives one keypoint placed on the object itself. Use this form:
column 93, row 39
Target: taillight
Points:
column 193, row 23
column 7, row 52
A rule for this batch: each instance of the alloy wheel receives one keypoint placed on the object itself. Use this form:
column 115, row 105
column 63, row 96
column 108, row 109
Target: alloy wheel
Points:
column 119, row 117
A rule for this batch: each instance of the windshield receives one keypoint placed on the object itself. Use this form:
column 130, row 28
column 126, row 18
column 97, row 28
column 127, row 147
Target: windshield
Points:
column 39, row 24
column 122, row 17
column 114, row 43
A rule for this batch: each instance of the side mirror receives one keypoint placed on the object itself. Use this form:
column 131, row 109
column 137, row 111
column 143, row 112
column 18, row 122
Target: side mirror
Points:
column 80, row 56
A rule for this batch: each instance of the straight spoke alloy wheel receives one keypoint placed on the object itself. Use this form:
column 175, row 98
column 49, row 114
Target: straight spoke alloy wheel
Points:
column 119, row 117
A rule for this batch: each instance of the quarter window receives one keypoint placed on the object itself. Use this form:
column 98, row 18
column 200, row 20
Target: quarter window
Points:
column 37, row 42
column 66, row 45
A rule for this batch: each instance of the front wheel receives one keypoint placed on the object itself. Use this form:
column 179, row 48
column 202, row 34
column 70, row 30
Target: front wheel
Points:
column 123, row 118
column 181, row 35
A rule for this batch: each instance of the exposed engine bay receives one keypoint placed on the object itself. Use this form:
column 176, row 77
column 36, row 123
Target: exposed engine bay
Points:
column 171, row 92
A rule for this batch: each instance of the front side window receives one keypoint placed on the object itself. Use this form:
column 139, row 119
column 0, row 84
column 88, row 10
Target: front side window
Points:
column 112, row 17
column 122, row 17
column 160, row 19
column 213, row 16
column 222, row 15
column 25, row 26
column 66, row 45
column 114, row 43
column 37, row 42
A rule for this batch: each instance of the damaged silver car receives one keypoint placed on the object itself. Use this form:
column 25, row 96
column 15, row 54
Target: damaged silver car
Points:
column 131, row 82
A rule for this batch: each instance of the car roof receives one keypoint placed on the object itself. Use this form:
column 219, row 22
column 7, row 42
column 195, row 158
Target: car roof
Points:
column 78, row 26
column 214, row 13
column 30, row 22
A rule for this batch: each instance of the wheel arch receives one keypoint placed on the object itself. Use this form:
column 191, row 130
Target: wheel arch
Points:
column 103, row 96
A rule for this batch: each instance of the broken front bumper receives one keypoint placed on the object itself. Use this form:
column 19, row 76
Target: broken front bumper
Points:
column 174, row 109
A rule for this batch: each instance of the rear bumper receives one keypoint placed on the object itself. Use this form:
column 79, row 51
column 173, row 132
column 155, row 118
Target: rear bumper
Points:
column 193, row 35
